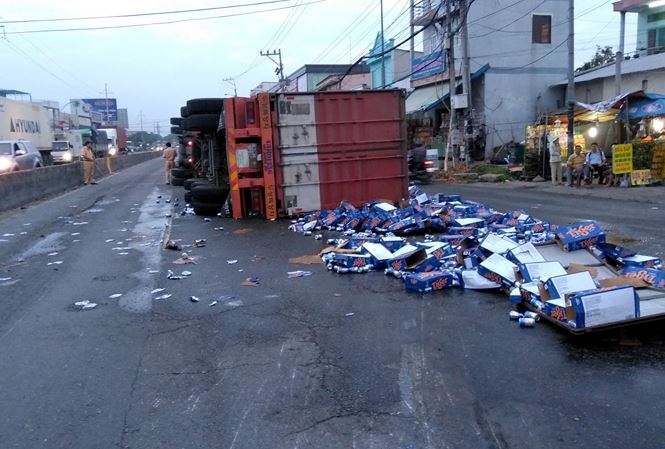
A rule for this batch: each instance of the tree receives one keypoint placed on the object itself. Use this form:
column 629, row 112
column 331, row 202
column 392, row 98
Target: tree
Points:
column 602, row 57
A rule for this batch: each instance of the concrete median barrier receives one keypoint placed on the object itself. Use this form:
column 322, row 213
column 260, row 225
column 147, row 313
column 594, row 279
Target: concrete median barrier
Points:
column 20, row 188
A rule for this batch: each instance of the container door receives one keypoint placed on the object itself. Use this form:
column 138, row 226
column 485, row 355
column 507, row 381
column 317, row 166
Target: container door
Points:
column 298, row 153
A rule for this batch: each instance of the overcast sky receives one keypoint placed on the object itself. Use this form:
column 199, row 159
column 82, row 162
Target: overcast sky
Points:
column 164, row 56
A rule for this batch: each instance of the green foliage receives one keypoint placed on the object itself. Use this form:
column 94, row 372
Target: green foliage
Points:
column 602, row 57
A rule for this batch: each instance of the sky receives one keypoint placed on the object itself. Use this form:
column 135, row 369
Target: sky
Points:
column 169, row 51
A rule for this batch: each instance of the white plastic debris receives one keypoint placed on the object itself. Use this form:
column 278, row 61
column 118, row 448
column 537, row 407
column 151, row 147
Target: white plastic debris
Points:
column 165, row 296
column 194, row 299
column 157, row 290
column 85, row 305
column 115, row 295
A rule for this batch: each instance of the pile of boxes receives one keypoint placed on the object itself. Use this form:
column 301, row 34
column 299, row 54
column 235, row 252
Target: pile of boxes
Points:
column 437, row 242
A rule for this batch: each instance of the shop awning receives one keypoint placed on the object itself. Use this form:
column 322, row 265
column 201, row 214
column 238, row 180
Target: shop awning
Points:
column 424, row 98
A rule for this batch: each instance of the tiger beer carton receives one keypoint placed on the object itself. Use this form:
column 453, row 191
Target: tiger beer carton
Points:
column 498, row 269
column 583, row 234
column 653, row 277
column 428, row 281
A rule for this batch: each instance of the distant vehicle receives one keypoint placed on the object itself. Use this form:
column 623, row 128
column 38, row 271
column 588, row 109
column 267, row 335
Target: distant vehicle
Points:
column 432, row 160
column 19, row 155
column 67, row 148
column 116, row 140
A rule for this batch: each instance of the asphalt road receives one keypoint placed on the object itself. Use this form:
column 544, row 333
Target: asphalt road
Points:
column 322, row 361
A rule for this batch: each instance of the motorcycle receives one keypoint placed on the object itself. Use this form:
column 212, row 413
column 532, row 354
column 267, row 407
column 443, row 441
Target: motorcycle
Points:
column 418, row 170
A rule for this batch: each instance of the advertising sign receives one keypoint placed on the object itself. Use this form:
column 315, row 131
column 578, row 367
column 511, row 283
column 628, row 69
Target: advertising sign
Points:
column 427, row 65
column 622, row 158
column 106, row 107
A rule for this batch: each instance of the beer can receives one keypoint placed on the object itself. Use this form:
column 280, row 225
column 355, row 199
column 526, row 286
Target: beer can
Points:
column 514, row 315
column 527, row 322
column 534, row 315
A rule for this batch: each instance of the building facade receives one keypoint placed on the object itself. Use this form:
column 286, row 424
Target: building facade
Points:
column 505, row 57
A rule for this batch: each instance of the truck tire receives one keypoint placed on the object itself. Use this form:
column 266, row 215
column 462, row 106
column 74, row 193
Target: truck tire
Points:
column 205, row 106
column 176, row 130
column 210, row 193
column 188, row 197
column 184, row 112
column 191, row 182
column 206, row 209
column 201, row 122
column 176, row 121
column 179, row 172
column 175, row 181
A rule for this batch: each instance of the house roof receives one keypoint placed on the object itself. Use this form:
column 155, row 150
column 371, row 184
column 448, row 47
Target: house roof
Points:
column 633, row 65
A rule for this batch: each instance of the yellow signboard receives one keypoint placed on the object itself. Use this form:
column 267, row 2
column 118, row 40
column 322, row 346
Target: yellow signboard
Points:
column 622, row 158
column 640, row 177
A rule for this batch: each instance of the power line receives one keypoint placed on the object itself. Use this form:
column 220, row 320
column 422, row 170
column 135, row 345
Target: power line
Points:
column 165, row 22
column 123, row 16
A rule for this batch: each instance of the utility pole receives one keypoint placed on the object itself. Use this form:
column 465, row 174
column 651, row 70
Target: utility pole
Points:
column 383, row 52
column 453, row 143
column 279, row 71
column 233, row 82
column 571, row 75
column 106, row 102
column 618, row 57
column 141, row 119
column 466, row 78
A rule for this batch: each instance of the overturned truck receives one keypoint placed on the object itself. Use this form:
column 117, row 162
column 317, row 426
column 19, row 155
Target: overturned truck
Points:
column 284, row 154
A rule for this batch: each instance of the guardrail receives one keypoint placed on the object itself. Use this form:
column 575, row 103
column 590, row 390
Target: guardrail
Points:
column 22, row 187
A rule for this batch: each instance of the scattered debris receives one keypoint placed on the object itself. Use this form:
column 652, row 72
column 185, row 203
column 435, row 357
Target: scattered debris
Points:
column 171, row 275
column 299, row 274
column 194, row 299
column 115, row 295
column 251, row 282
column 172, row 245
column 56, row 262
column 184, row 259
column 85, row 305
column 219, row 228
column 212, row 303
column 350, row 314
column 157, row 290
column 306, row 260
column 232, row 261
column 186, row 273
column 166, row 296
column 200, row 243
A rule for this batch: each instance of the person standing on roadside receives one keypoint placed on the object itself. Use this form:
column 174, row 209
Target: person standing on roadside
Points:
column 169, row 161
column 88, row 158
column 555, row 161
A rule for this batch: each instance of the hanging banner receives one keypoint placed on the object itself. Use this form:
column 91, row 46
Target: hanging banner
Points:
column 622, row 158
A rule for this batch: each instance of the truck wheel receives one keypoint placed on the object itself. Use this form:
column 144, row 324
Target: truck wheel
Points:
column 188, row 197
column 205, row 208
column 205, row 106
column 183, row 111
column 179, row 172
column 191, row 182
column 176, row 121
column 177, row 181
column 210, row 193
column 202, row 122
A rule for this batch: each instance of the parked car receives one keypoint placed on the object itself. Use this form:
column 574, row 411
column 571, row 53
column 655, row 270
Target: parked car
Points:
column 19, row 155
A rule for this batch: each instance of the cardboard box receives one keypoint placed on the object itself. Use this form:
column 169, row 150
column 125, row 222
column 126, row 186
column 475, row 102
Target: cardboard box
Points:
column 427, row 282
column 583, row 234
column 560, row 286
column 437, row 249
column 559, row 309
column 541, row 271
column 472, row 280
column 350, row 260
column 525, row 253
column 641, row 261
column 605, row 306
column 498, row 269
column 380, row 254
column 651, row 276
column 430, row 263
column 497, row 244
column 392, row 243
column 469, row 222
column 407, row 258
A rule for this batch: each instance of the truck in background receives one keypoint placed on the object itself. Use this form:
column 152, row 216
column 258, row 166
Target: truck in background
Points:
column 116, row 139
column 67, row 146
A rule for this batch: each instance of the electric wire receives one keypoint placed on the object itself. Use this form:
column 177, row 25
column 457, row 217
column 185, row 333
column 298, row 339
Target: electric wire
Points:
column 164, row 22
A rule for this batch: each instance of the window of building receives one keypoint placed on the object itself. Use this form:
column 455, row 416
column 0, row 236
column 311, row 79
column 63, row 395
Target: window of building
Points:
column 542, row 29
